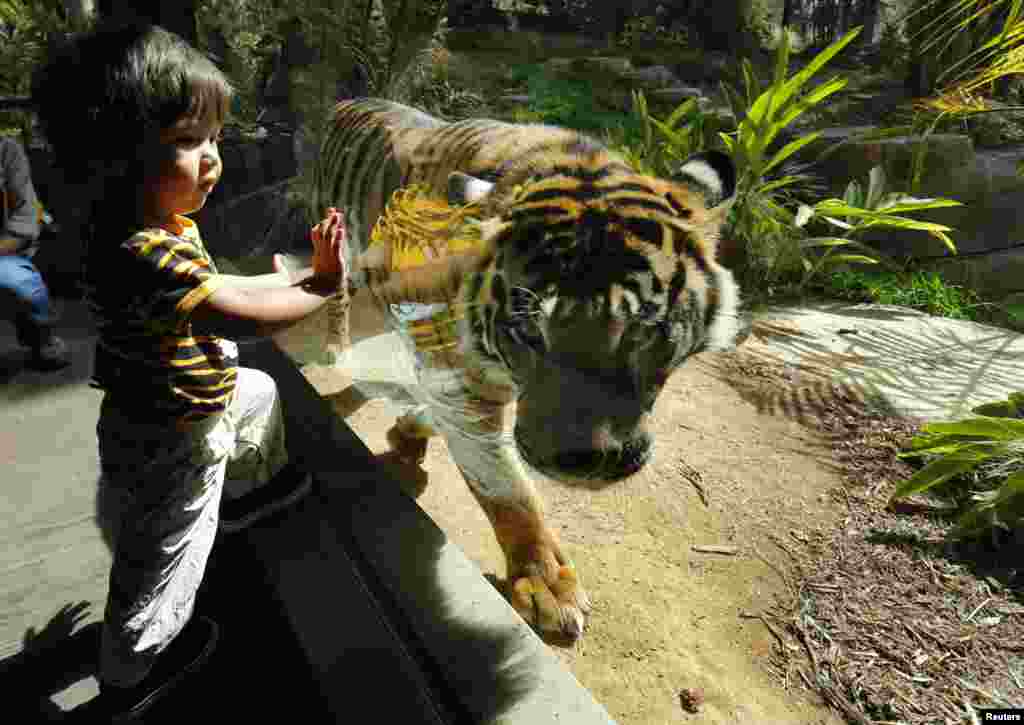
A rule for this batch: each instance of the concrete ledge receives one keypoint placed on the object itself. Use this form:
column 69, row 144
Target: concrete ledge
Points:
column 457, row 651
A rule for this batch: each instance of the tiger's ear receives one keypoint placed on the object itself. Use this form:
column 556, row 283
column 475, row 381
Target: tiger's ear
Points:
column 466, row 189
column 712, row 174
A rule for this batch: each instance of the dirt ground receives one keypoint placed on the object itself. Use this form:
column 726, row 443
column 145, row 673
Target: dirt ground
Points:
column 667, row 618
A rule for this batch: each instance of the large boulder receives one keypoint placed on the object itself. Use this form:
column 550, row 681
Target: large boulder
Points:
column 707, row 68
column 655, row 76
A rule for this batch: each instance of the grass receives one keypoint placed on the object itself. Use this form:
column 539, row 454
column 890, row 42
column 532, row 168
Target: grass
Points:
column 924, row 291
column 569, row 103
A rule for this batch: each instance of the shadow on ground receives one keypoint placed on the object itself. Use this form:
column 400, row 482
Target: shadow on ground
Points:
column 930, row 364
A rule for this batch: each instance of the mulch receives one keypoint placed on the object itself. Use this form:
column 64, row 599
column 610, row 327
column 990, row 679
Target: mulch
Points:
column 888, row 619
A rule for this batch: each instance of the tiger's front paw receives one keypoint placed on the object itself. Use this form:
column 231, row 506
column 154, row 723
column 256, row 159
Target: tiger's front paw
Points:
column 550, row 599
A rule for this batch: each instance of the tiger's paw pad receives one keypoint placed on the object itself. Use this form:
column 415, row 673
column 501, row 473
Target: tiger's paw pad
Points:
column 554, row 607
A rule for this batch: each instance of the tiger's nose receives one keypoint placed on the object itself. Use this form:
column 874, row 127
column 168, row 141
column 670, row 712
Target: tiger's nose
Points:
column 609, row 463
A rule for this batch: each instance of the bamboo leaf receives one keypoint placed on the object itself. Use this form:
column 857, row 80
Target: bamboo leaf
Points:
column 778, row 183
column 936, row 443
column 899, row 222
column 812, row 99
column 908, row 203
column 824, row 242
column 837, row 222
column 683, row 109
column 935, row 473
column 750, row 82
column 995, row 428
column 983, row 515
column 677, row 138
column 789, row 149
column 858, row 258
column 1012, row 486
column 736, row 105
column 805, row 73
column 945, row 240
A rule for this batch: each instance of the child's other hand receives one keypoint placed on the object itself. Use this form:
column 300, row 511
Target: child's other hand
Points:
column 329, row 238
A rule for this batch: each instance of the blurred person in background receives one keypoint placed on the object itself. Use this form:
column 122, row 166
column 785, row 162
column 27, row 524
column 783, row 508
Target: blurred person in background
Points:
column 24, row 297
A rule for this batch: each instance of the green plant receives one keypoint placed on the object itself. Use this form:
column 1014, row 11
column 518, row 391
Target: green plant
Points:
column 645, row 29
column 759, row 22
column 26, row 29
column 658, row 147
column 920, row 290
column 758, row 218
column 858, row 211
column 984, row 453
column 893, row 49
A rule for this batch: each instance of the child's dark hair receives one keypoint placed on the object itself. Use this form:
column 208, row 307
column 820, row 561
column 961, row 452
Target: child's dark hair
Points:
column 101, row 93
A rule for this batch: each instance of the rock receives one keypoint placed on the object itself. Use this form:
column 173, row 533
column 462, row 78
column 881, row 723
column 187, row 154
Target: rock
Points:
column 997, row 275
column 677, row 94
column 947, row 163
column 708, row 68
column 655, row 76
column 558, row 67
column 515, row 99
column 602, row 67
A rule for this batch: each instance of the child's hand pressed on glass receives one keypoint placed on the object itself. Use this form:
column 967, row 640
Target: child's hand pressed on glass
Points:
column 250, row 308
column 329, row 239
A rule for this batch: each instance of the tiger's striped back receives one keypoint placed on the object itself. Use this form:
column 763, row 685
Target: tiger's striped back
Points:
column 376, row 146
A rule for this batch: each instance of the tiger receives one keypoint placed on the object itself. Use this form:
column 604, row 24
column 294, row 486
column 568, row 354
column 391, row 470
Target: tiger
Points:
column 578, row 287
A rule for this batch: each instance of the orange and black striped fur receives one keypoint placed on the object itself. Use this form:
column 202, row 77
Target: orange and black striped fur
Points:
column 591, row 284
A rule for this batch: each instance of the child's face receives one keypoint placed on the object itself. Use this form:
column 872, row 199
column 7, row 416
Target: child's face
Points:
column 182, row 167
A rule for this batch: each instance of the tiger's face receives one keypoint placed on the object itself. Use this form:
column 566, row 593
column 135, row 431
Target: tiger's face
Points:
column 601, row 285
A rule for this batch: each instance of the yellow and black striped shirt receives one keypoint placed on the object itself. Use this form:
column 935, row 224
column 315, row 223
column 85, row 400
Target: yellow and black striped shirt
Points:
column 142, row 293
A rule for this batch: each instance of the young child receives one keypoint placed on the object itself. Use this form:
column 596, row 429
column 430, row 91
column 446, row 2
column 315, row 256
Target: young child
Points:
column 136, row 112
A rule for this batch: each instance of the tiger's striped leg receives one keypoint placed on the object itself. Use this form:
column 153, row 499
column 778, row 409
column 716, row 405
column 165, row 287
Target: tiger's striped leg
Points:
column 541, row 582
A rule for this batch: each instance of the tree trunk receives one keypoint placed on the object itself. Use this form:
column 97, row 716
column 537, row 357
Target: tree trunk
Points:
column 723, row 26
column 870, row 22
column 787, row 13
column 843, row 22
column 279, row 94
column 79, row 12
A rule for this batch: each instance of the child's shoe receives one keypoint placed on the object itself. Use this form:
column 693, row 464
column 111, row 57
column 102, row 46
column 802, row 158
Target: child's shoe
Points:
column 53, row 355
column 285, row 489
column 186, row 654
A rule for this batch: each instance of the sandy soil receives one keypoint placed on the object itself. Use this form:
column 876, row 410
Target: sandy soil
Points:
column 668, row 618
